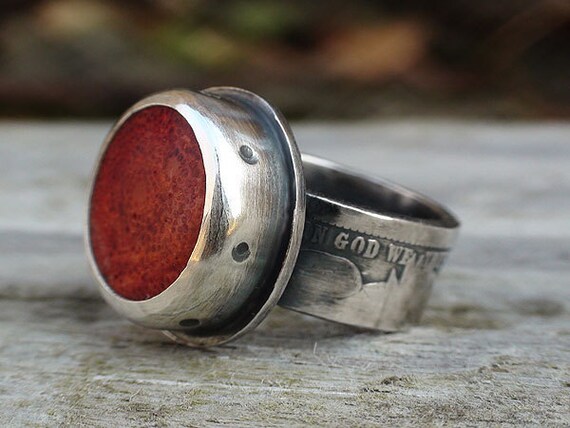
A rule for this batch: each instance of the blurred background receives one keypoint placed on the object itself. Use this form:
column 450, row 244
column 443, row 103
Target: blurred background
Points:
column 315, row 60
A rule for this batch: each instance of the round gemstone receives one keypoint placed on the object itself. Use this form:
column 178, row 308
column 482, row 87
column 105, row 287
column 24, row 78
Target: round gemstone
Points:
column 147, row 203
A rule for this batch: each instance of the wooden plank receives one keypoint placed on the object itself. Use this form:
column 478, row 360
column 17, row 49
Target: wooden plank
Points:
column 494, row 346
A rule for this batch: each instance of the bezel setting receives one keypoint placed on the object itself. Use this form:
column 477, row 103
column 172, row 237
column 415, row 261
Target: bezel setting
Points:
column 252, row 222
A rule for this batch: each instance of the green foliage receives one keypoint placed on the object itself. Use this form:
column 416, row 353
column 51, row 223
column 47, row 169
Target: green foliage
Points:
column 201, row 47
column 259, row 19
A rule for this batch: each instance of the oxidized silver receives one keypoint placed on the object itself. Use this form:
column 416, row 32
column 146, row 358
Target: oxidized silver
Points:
column 370, row 252
column 278, row 228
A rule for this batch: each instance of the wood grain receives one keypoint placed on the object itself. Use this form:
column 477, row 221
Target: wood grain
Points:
column 493, row 348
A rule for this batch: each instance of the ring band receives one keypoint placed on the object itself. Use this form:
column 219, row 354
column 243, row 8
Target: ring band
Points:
column 203, row 216
column 370, row 250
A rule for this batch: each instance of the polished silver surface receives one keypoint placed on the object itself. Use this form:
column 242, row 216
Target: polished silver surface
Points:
column 368, row 250
column 252, row 223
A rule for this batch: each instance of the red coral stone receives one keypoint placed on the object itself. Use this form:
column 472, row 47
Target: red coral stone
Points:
column 147, row 203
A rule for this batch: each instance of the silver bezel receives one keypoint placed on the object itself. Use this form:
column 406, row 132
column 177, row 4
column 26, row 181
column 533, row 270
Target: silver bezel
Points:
column 264, row 203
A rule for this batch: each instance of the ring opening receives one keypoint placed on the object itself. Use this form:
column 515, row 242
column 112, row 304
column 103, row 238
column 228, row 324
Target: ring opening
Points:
column 332, row 182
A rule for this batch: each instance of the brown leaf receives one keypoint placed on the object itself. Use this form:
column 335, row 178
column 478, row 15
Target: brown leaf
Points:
column 68, row 18
column 375, row 53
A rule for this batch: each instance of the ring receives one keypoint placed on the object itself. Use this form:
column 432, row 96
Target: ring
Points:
column 203, row 215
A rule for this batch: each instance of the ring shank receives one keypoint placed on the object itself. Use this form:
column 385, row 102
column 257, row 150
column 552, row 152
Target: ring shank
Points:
column 370, row 251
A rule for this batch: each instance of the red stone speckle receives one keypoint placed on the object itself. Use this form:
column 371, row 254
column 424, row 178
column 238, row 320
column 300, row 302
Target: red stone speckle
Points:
column 147, row 203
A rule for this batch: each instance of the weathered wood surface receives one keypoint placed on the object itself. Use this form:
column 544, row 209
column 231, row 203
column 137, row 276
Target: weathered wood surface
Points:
column 494, row 346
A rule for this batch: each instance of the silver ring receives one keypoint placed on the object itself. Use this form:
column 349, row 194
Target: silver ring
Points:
column 203, row 216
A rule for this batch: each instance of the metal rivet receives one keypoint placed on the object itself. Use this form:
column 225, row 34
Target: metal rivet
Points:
column 247, row 154
column 190, row 322
column 241, row 252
